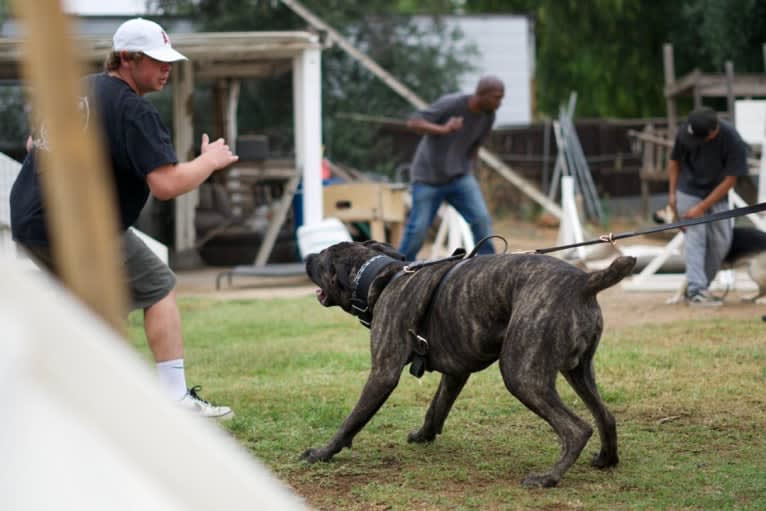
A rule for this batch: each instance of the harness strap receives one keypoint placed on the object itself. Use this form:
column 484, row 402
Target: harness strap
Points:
column 419, row 357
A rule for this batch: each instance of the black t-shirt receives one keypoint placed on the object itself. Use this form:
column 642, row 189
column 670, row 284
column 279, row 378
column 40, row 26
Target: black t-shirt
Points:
column 137, row 143
column 705, row 166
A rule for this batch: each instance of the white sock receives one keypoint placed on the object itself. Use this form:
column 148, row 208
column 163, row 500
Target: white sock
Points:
column 173, row 378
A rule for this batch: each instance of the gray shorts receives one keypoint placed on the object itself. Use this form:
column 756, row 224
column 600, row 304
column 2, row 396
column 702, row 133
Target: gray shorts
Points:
column 149, row 280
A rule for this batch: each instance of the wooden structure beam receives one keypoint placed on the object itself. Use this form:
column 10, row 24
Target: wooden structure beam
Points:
column 77, row 190
column 701, row 85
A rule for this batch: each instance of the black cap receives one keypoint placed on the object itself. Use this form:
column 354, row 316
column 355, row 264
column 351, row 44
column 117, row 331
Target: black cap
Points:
column 699, row 125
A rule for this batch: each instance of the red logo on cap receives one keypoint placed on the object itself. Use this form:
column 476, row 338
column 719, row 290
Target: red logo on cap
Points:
column 165, row 38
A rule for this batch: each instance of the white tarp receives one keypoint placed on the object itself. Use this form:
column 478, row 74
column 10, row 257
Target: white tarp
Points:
column 85, row 425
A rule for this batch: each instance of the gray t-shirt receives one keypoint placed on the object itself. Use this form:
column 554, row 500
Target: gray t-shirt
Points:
column 705, row 166
column 440, row 159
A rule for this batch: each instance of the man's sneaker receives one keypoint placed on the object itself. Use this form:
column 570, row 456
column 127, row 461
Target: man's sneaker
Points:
column 196, row 404
column 703, row 299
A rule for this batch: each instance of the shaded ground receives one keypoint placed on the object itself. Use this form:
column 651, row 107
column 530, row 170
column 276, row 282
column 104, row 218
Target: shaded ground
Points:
column 620, row 307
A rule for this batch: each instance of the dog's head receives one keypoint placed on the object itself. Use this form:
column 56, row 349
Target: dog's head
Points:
column 335, row 268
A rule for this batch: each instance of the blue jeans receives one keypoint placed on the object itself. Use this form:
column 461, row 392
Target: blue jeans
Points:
column 464, row 195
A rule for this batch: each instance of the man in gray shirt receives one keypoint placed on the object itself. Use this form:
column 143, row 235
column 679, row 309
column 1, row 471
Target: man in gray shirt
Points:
column 453, row 128
column 706, row 159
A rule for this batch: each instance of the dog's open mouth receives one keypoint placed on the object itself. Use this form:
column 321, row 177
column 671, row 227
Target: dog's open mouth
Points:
column 321, row 296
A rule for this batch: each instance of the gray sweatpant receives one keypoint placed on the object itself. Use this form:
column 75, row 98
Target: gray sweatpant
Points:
column 705, row 245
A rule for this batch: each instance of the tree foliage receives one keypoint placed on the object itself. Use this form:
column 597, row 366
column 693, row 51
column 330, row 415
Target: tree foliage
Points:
column 610, row 51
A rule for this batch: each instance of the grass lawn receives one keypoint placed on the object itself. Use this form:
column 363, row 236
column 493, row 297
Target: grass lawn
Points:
column 689, row 399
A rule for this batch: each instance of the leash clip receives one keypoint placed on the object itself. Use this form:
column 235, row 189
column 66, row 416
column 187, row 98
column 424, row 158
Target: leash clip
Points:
column 421, row 343
column 608, row 238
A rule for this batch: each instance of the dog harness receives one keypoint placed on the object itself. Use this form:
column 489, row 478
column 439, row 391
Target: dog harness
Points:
column 419, row 357
column 369, row 271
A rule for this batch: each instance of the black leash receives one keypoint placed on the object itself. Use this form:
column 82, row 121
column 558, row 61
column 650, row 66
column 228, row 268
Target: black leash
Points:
column 611, row 238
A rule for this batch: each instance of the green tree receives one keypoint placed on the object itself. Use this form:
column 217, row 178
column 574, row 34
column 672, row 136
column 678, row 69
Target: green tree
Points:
column 610, row 51
column 714, row 31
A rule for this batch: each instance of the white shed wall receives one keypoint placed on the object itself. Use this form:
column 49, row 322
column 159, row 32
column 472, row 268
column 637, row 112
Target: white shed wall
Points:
column 506, row 46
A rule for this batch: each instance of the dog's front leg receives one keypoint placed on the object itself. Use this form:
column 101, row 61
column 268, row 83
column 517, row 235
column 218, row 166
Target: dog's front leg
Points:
column 449, row 389
column 379, row 386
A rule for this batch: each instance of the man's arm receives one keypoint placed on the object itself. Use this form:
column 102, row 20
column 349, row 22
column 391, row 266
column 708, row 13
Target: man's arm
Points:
column 423, row 127
column 718, row 193
column 170, row 181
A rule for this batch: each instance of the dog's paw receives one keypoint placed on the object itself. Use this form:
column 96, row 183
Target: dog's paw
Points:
column 313, row 455
column 604, row 460
column 419, row 437
column 540, row 481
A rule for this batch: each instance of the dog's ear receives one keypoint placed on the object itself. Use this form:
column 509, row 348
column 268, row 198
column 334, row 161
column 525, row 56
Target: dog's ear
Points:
column 384, row 248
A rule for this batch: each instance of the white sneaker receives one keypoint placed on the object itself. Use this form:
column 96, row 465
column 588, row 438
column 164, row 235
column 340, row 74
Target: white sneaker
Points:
column 196, row 404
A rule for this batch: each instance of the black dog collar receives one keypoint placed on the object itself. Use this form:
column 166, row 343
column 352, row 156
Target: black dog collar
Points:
column 361, row 286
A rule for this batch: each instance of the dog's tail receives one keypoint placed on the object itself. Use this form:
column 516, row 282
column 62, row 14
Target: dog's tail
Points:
column 602, row 279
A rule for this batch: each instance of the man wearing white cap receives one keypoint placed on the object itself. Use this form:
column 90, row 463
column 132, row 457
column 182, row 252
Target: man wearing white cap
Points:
column 143, row 161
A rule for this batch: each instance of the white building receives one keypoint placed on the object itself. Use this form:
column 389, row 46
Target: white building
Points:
column 506, row 46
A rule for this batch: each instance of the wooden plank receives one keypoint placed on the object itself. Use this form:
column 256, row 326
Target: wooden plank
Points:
column 349, row 48
column 82, row 217
column 280, row 215
column 183, row 132
column 685, row 84
column 242, row 69
column 670, row 78
column 730, row 92
column 715, row 85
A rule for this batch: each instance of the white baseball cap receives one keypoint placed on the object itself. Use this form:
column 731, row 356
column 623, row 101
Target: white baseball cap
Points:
column 146, row 37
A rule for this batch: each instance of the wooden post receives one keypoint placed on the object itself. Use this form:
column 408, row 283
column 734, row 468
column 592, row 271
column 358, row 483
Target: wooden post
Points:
column 729, row 66
column 77, row 190
column 218, row 104
column 647, row 167
column 697, row 92
column 670, row 78
column 185, row 205
column 232, row 104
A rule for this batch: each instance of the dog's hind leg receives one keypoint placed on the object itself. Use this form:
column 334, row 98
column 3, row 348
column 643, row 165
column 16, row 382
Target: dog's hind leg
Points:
column 583, row 381
column 533, row 382
column 380, row 384
column 449, row 389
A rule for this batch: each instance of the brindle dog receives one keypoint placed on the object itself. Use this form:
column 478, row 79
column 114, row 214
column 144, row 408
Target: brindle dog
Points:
column 536, row 314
